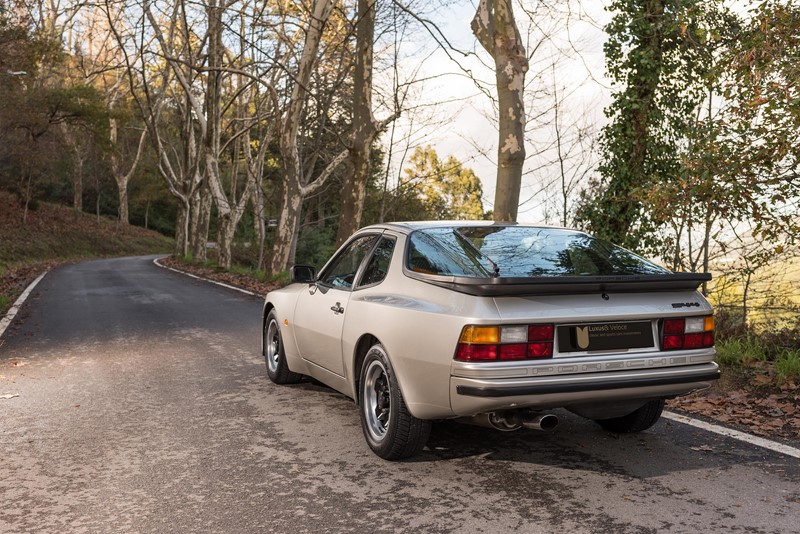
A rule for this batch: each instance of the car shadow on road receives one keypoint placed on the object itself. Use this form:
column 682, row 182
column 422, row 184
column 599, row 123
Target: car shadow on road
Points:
column 579, row 444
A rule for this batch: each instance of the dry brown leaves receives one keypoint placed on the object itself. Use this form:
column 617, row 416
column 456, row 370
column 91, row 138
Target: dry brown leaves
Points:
column 234, row 279
column 764, row 412
column 15, row 279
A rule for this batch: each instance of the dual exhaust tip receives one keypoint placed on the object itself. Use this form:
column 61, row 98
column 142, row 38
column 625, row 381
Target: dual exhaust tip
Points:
column 509, row 421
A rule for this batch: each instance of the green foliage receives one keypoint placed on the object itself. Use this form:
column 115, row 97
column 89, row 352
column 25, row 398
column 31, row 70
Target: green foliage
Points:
column 741, row 352
column 446, row 189
column 787, row 366
column 658, row 54
column 765, row 113
column 755, row 352
column 37, row 98
column 315, row 245
column 282, row 278
column 775, row 349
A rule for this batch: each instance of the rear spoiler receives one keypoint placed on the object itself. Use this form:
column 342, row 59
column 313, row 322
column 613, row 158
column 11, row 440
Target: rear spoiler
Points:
column 565, row 285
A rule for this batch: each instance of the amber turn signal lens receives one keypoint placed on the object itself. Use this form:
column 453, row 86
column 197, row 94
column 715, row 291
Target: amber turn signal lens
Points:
column 480, row 335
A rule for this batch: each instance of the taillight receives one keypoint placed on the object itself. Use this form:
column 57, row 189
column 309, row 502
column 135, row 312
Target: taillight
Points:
column 505, row 343
column 687, row 333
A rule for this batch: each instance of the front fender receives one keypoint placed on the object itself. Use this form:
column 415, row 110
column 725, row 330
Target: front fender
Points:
column 284, row 302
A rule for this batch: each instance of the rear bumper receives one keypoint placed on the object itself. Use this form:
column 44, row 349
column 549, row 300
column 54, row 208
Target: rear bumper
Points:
column 471, row 396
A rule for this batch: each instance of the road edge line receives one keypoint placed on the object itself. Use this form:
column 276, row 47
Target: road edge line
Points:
column 228, row 286
column 14, row 309
column 735, row 434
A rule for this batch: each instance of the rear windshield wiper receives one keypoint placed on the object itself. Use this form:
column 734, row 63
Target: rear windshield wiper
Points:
column 471, row 245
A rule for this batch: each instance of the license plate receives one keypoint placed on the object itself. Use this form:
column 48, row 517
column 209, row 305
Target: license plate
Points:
column 605, row 336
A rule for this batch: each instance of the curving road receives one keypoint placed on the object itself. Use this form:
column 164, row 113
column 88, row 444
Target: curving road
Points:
column 143, row 406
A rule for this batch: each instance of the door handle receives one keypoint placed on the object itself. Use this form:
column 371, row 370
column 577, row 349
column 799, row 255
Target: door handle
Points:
column 337, row 308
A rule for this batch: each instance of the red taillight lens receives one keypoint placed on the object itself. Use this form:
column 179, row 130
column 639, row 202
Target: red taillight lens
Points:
column 693, row 341
column 476, row 353
column 673, row 342
column 674, row 326
column 687, row 333
column 505, row 343
column 708, row 339
column 517, row 351
column 541, row 332
column 538, row 351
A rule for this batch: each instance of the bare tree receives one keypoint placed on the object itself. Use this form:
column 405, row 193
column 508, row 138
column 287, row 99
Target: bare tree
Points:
column 496, row 30
column 100, row 63
column 151, row 83
column 365, row 127
column 296, row 185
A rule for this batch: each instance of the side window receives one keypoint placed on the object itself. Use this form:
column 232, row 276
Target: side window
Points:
column 379, row 263
column 342, row 272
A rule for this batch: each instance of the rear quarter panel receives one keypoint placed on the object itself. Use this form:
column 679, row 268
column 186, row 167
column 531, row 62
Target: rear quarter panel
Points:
column 419, row 326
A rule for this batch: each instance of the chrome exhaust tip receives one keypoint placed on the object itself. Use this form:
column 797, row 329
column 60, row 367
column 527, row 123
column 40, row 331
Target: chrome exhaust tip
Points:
column 542, row 422
column 508, row 421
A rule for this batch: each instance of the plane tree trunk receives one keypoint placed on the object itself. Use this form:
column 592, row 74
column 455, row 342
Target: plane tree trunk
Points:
column 496, row 30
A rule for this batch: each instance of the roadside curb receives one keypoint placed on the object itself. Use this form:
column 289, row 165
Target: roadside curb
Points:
column 228, row 286
column 14, row 309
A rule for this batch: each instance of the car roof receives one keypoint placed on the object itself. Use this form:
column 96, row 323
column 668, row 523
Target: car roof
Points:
column 407, row 227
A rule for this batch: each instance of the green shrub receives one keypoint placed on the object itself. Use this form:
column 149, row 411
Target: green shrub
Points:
column 787, row 365
column 315, row 246
column 282, row 278
column 739, row 352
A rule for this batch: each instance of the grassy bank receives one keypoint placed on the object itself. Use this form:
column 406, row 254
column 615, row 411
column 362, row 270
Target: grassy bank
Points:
column 766, row 362
column 55, row 234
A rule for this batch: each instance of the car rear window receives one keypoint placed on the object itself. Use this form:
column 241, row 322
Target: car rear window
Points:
column 517, row 252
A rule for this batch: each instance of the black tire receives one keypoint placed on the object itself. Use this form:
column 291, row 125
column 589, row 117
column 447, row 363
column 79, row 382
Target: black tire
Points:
column 636, row 421
column 274, row 355
column 390, row 430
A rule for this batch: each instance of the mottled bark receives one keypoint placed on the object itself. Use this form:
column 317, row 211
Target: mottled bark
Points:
column 294, row 186
column 199, row 222
column 364, row 127
column 77, row 185
column 496, row 30
column 122, row 177
column 291, row 202
column 259, row 225
column 182, row 230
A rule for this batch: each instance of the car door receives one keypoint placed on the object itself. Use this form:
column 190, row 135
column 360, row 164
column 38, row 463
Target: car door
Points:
column 320, row 312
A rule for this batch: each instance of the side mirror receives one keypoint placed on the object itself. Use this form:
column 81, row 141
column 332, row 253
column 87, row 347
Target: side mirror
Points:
column 303, row 274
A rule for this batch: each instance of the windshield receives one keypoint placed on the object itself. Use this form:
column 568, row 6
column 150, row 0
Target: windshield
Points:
column 519, row 252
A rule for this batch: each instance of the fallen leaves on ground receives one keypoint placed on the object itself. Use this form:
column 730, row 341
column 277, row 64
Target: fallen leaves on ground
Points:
column 15, row 279
column 243, row 281
column 771, row 413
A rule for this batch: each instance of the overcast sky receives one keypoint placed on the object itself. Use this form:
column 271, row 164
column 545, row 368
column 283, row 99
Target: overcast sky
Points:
column 462, row 122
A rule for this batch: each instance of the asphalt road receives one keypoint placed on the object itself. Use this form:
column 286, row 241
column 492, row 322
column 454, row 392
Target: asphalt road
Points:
column 144, row 407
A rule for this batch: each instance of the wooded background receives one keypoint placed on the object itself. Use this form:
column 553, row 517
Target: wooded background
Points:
column 271, row 127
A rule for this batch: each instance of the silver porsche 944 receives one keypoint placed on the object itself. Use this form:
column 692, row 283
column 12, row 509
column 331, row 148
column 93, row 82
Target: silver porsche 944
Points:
column 493, row 324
